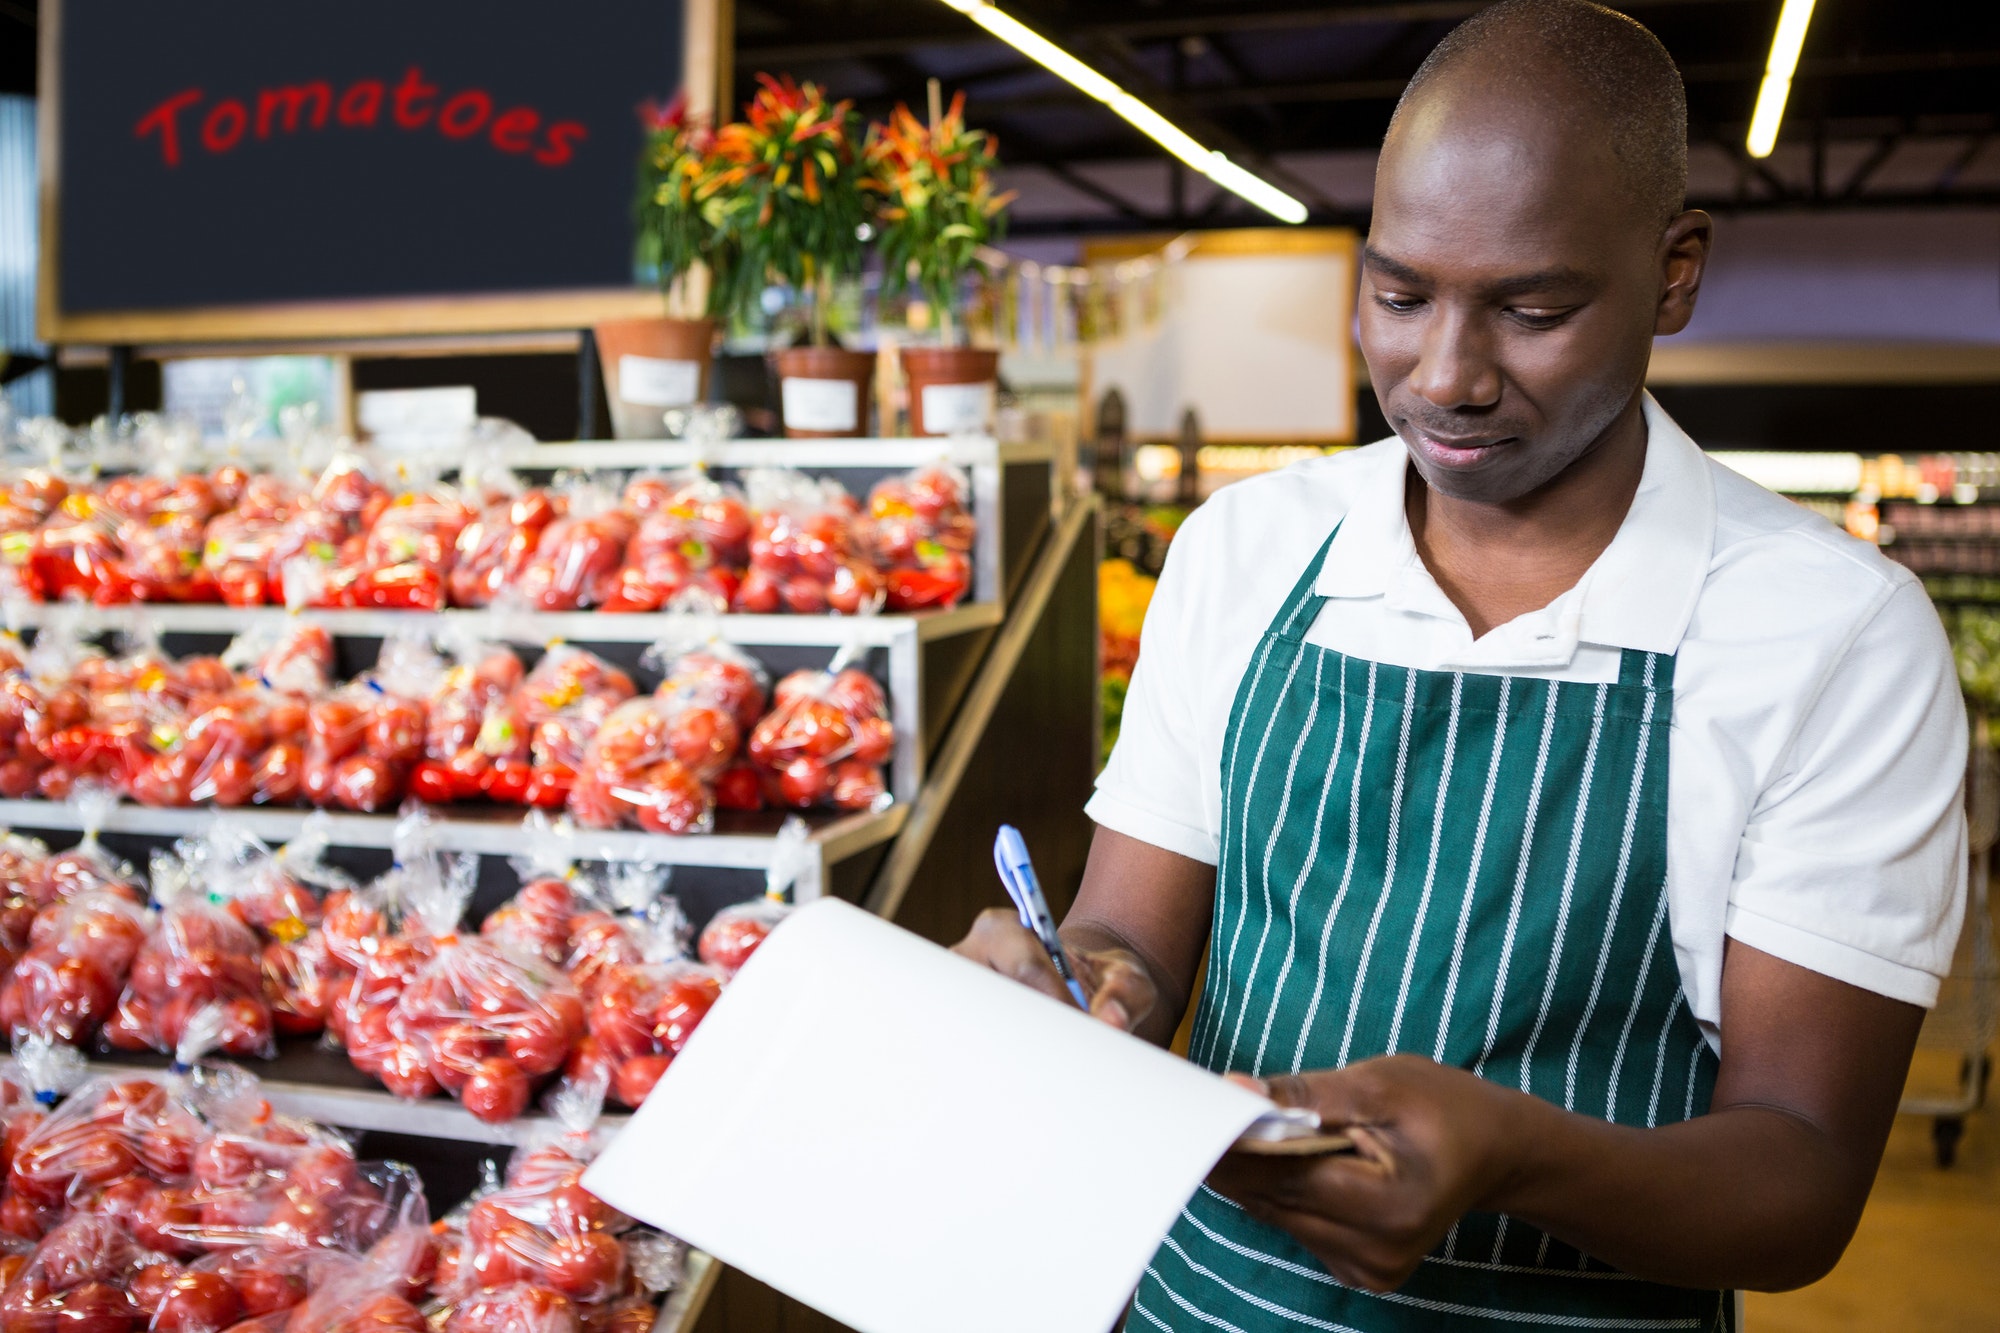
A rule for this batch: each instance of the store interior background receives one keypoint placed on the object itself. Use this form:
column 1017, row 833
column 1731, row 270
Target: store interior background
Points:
column 1853, row 306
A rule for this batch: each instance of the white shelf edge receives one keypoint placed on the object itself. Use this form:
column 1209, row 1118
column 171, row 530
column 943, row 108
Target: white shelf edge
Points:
column 535, row 628
column 685, row 1302
column 486, row 837
column 963, row 451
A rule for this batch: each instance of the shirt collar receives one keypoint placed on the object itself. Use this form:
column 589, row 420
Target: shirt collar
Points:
column 1640, row 593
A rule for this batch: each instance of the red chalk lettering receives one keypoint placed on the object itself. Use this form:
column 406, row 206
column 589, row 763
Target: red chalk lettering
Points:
column 412, row 98
column 291, row 102
column 224, row 126
column 514, row 131
column 562, row 136
column 465, row 115
column 361, row 104
column 161, row 118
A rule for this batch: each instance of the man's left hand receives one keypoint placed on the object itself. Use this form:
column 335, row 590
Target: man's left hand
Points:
column 1431, row 1143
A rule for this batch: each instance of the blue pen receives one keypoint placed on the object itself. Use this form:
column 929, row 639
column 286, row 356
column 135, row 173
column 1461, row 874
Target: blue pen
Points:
column 1017, row 873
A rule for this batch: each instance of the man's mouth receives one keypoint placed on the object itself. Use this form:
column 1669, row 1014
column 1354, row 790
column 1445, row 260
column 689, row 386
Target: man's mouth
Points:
column 1457, row 450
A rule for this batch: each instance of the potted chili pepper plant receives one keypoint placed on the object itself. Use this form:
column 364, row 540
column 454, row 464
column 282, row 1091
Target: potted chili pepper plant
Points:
column 939, row 208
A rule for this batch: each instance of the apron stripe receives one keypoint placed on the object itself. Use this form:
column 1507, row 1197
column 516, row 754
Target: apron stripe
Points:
column 1568, row 893
column 1472, row 875
column 1346, row 876
column 1305, row 872
column 1390, row 861
column 1271, row 848
column 1430, row 866
column 1520, row 880
column 1632, row 1014
column 1567, row 827
column 1610, row 918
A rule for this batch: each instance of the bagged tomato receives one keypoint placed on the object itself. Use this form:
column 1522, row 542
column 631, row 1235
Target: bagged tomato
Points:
column 628, row 918
column 296, row 658
column 825, row 741
column 646, row 764
column 21, row 861
column 68, row 981
column 808, row 548
column 374, row 1292
column 410, row 548
column 693, row 532
column 577, row 557
column 734, row 933
column 279, row 895
column 89, row 867
column 541, row 1254
column 198, row 955
column 563, row 702
column 79, row 1277
column 365, row 738
column 476, row 740
column 383, row 955
column 702, row 662
column 76, row 555
column 486, row 1024
column 535, row 923
column 493, row 550
column 923, row 535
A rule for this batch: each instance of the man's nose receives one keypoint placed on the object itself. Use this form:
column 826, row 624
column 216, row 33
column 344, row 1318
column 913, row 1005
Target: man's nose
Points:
column 1455, row 368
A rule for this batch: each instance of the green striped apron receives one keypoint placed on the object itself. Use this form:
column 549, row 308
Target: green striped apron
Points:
column 1467, row 867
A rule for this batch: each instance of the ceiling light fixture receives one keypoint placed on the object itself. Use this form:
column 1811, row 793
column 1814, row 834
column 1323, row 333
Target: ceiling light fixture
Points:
column 1778, row 70
column 1217, row 167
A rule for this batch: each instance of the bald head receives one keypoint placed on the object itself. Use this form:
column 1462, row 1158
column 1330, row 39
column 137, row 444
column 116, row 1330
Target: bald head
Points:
column 1593, row 75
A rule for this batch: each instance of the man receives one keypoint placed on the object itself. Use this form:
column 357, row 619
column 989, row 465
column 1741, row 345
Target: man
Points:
column 1571, row 821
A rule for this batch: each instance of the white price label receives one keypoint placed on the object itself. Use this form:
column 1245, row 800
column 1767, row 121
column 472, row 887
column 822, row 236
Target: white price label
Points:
column 652, row 382
column 830, row 405
column 958, row 409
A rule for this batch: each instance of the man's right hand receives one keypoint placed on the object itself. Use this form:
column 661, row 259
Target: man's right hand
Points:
column 1121, row 990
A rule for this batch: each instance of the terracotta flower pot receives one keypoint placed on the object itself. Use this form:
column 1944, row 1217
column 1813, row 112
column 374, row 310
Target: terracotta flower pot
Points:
column 953, row 390
column 824, row 391
column 651, row 365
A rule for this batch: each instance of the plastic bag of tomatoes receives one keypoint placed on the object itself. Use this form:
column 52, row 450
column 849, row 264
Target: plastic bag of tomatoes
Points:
column 198, row 955
column 628, row 917
column 650, row 763
column 364, row 739
column 535, row 923
column 577, row 557
column 923, row 534
column 296, row 658
column 736, row 932
column 808, row 554
column 541, row 1254
column 68, row 982
column 476, row 740
column 486, row 1024
column 642, row 1014
column 280, row 895
column 701, row 664
column 76, row 555
column 376, row 1292
column 494, row 549
column 90, row 866
column 825, row 741
column 563, row 701
column 409, row 549
column 693, row 532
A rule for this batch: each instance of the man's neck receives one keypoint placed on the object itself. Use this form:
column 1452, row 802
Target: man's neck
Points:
column 1497, row 562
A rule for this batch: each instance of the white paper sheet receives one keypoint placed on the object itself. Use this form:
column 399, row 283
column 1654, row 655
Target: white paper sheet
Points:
column 909, row 1142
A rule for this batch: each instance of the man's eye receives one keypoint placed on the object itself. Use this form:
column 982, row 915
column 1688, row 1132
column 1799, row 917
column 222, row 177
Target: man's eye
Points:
column 1400, row 305
column 1538, row 319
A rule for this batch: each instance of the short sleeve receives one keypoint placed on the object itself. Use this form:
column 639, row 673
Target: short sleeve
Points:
column 1154, row 788
column 1852, row 863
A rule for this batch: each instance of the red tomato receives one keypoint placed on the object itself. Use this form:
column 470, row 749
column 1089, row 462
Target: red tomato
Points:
column 197, row 1303
column 804, row 782
column 587, row 1267
column 266, row 1289
column 635, row 1078
column 518, row 1309
column 149, row 1285
column 395, row 730
column 367, row 783
column 857, row 786
column 549, row 787
column 507, row 782
column 432, row 783
column 497, row 1091
column 684, row 1001
column 737, row 788
column 169, row 1218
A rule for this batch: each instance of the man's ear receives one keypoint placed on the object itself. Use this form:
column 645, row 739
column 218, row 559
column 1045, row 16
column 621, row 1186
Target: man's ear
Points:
column 1683, row 259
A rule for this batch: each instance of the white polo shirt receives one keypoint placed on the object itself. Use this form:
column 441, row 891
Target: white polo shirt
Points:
column 1818, row 748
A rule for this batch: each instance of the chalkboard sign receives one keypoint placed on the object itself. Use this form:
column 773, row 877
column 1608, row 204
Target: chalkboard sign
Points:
column 244, row 168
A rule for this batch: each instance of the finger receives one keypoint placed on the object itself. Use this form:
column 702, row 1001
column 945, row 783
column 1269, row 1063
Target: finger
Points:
column 1343, row 1097
column 1353, row 1255
column 1121, row 991
column 1343, row 1188
column 999, row 941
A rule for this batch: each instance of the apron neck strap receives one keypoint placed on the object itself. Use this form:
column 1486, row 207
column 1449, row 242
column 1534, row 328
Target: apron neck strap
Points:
column 1647, row 671
column 1301, row 608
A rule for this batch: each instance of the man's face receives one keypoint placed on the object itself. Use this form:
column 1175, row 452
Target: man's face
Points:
column 1509, row 295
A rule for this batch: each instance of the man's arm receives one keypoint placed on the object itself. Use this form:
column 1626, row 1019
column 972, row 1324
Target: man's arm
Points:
column 1763, row 1192
column 1135, row 933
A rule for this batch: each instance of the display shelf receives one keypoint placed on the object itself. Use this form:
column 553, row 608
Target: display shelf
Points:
column 742, row 841
column 966, row 451
column 317, row 1082
column 523, row 627
column 682, row 1309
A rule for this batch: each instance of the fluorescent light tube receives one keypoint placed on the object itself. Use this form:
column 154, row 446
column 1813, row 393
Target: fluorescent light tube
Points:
column 1142, row 117
column 1786, row 44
